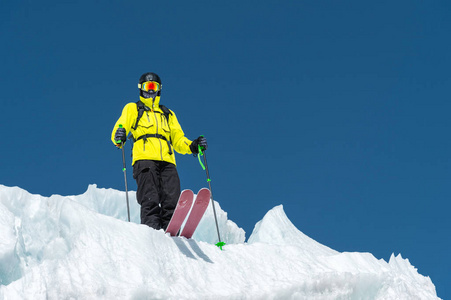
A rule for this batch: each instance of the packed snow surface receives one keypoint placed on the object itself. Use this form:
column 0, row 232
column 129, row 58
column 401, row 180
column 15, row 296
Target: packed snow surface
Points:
column 82, row 247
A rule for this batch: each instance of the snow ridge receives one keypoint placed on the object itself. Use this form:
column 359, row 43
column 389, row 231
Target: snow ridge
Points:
column 81, row 247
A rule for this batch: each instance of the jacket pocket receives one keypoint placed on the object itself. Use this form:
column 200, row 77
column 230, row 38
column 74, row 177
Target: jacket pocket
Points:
column 146, row 120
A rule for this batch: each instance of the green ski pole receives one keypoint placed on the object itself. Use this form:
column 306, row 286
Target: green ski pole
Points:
column 124, row 169
column 204, row 165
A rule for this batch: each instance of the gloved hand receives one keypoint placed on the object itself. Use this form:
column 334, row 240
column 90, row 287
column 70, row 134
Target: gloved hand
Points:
column 120, row 136
column 200, row 141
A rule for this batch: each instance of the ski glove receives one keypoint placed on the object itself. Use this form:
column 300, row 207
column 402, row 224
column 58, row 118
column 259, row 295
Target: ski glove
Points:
column 200, row 141
column 120, row 136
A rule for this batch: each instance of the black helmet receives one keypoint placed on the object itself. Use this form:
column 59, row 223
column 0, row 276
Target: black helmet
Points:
column 149, row 77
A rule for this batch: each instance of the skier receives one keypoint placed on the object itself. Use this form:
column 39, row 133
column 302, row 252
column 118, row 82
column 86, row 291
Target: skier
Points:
column 155, row 132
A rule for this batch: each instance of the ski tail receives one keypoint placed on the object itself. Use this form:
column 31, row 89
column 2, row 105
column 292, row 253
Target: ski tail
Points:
column 181, row 211
column 199, row 207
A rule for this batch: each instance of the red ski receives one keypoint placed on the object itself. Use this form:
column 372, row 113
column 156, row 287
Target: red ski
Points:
column 199, row 207
column 180, row 212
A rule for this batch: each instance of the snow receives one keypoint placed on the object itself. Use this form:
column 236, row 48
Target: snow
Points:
column 82, row 247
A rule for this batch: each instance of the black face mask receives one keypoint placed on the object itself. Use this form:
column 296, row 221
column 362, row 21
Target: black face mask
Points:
column 147, row 95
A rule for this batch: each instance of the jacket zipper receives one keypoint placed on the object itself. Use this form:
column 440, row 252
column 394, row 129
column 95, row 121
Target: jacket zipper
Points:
column 144, row 141
column 159, row 140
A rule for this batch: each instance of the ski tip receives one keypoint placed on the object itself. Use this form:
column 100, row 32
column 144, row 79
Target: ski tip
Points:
column 187, row 191
column 204, row 191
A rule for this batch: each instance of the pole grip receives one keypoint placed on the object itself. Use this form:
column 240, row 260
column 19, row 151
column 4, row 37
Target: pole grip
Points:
column 119, row 142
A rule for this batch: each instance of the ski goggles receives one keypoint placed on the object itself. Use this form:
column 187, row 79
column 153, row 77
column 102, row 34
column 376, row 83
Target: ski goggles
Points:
column 150, row 86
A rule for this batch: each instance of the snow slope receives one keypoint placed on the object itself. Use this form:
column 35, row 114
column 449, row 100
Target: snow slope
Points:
column 81, row 247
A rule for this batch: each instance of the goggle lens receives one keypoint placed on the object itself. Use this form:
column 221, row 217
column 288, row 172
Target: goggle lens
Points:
column 150, row 86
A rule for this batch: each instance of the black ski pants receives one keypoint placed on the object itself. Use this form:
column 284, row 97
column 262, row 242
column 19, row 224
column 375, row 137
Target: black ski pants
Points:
column 158, row 191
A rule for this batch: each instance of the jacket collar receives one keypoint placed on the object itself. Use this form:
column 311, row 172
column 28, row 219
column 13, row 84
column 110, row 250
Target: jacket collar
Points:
column 151, row 102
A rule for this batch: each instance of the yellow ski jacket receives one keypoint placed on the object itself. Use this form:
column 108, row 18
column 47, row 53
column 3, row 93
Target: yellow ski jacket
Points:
column 155, row 137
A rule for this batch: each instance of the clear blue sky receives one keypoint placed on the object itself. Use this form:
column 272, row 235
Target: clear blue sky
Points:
column 338, row 110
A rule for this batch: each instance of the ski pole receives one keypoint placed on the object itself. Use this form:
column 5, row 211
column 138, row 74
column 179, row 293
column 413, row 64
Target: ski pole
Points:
column 205, row 167
column 124, row 169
